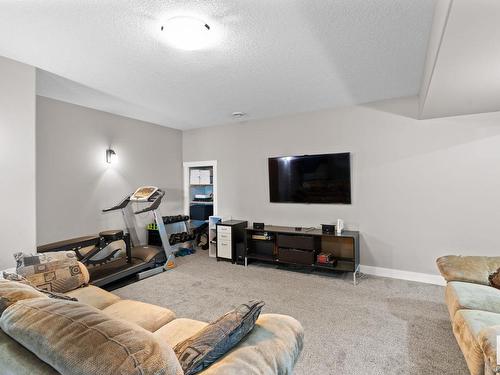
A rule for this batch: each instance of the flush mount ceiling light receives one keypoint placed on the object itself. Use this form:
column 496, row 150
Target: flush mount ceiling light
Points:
column 187, row 33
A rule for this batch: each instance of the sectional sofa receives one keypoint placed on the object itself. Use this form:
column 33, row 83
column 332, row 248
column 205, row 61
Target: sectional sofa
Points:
column 55, row 336
column 474, row 308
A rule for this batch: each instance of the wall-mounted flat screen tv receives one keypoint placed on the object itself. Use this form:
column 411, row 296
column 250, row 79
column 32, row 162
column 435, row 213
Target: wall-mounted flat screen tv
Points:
column 311, row 179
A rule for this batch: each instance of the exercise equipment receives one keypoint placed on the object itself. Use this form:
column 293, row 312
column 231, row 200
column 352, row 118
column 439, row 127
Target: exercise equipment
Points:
column 181, row 234
column 92, row 250
column 178, row 228
column 150, row 256
column 113, row 255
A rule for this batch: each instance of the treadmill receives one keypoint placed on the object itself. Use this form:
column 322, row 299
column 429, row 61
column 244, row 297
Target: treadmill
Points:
column 140, row 260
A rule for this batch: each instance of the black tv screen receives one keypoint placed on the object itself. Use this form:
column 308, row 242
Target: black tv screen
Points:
column 311, row 179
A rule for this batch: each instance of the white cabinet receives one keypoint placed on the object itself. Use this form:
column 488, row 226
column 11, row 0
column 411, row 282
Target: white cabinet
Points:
column 231, row 240
column 194, row 177
column 200, row 177
column 224, row 242
column 205, row 175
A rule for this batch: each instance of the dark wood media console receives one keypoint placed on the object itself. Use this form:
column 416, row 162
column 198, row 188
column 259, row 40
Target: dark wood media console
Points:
column 285, row 245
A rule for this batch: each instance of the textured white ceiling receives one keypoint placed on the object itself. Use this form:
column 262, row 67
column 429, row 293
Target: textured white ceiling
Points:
column 275, row 57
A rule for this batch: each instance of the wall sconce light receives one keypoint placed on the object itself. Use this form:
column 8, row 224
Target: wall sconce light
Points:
column 110, row 156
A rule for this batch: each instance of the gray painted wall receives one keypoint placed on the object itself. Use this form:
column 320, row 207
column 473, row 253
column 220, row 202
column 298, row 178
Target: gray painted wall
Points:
column 421, row 189
column 17, row 160
column 74, row 183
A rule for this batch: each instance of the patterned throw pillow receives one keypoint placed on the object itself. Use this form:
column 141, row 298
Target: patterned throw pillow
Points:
column 204, row 348
column 57, row 272
column 18, row 278
column 494, row 279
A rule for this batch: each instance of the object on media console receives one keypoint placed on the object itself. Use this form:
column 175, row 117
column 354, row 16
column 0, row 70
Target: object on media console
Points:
column 340, row 226
column 328, row 228
column 264, row 236
column 298, row 229
column 258, row 226
column 325, row 258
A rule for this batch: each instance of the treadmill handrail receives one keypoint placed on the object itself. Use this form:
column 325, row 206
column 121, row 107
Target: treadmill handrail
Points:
column 120, row 205
column 156, row 203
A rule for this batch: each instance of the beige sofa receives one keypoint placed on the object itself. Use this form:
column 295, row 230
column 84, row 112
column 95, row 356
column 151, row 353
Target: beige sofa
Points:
column 272, row 347
column 474, row 309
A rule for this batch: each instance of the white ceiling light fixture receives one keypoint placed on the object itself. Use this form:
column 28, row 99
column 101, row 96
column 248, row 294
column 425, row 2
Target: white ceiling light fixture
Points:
column 188, row 33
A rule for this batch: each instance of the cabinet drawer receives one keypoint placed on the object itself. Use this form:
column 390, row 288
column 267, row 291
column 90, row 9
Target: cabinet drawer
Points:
column 297, row 242
column 224, row 236
column 296, row 256
column 224, row 245
column 224, row 249
column 223, row 229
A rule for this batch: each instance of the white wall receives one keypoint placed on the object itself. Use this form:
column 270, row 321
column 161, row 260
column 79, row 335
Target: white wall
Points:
column 74, row 183
column 17, row 160
column 421, row 189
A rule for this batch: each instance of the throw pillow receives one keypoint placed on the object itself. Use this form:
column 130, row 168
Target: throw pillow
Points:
column 204, row 348
column 18, row 278
column 494, row 279
column 57, row 272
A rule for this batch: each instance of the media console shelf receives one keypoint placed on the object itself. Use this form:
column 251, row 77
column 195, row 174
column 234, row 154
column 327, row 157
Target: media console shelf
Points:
column 285, row 245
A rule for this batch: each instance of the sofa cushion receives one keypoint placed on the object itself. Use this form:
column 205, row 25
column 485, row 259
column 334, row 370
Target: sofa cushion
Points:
column 179, row 330
column 206, row 346
column 13, row 291
column 468, row 296
column 467, row 325
column 488, row 343
column 145, row 315
column 271, row 348
column 78, row 339
column 57, row 271
column 94, row 296
column 472, row 269
column 17, row 360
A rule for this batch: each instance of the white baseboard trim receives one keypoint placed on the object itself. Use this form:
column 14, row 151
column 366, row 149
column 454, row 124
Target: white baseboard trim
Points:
column 403, row 275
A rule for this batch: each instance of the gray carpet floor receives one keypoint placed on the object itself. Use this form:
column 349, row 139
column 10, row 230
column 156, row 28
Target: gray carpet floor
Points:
column 381, row 326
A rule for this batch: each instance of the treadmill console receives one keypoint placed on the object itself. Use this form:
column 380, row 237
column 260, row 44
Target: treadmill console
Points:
column 143, row 193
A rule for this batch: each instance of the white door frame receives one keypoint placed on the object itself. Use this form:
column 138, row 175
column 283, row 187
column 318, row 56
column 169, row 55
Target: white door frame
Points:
column 194, row 164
